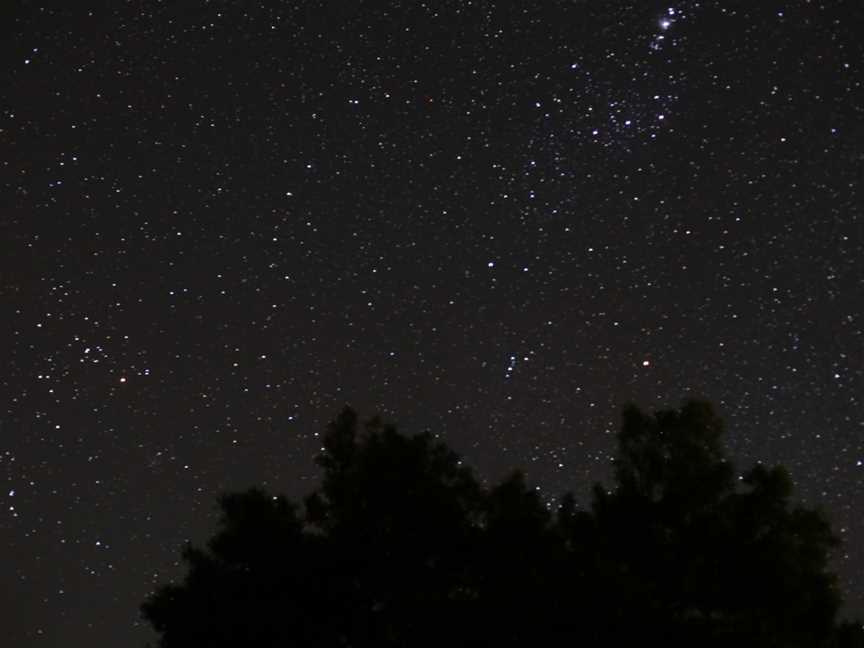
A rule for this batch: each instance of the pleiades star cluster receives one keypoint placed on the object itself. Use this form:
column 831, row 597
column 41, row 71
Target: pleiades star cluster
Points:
column 220, row 221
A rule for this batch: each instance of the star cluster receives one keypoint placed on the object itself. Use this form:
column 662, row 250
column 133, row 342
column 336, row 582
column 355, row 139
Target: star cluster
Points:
column 221, row 221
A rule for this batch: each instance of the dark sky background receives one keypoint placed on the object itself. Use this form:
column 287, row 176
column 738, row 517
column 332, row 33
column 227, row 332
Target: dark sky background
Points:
column 221, row 221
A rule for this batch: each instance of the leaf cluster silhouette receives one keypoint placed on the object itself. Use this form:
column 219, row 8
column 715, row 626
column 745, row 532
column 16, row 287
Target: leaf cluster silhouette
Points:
column 401, row 545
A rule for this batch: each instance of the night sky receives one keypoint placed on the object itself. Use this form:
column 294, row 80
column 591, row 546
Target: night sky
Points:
column 222, row 221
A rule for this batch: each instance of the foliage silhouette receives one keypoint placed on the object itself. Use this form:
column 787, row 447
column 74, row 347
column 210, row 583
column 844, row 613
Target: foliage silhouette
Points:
column 402, row 546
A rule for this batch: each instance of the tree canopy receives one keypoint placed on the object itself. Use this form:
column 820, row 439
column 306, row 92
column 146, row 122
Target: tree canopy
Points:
column 401, row 545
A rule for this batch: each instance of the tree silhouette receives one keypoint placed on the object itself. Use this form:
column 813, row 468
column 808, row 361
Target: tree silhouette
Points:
column 694, row 558
column 401, row 546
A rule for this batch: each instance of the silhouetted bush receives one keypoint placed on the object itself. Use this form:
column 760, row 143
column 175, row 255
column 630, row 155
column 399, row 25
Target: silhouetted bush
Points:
column 401, row 546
